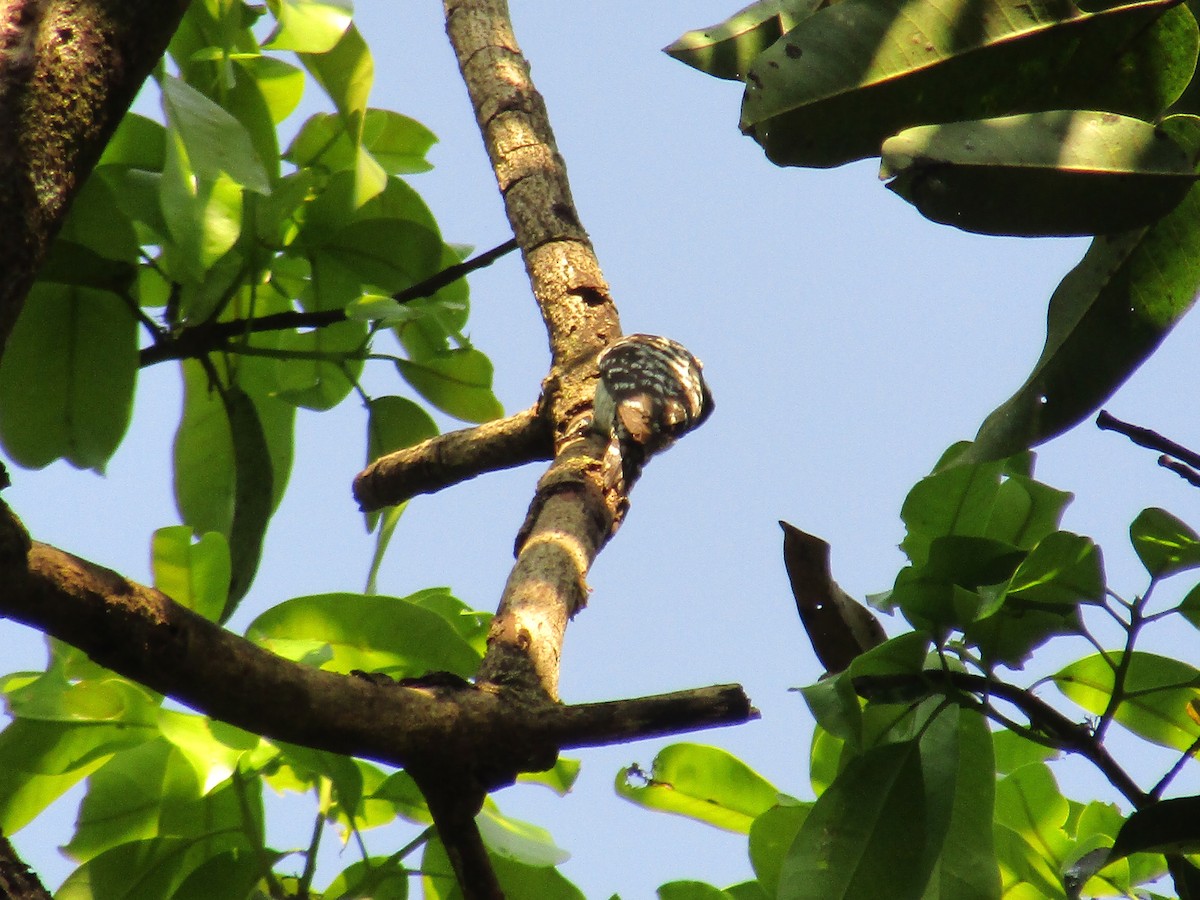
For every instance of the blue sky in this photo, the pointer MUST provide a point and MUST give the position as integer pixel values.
(847, 341)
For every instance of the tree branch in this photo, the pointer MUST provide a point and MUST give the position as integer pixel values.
(571, 516)
(1152, 441)
(68, 72)
(17, 882)
(452, 458)
(485, 735)
(196, 340)
(1065, 734)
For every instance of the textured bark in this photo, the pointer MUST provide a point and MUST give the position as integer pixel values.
(446, 730)
(16, 881)
(69, 70)
(571, 515)
(453, 458)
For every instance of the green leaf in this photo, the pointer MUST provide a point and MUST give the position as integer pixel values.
(560, 779)
(393, 635)
(40, 761)
(1155, 700)
(377, 877)
(53, 696)
(211, 140)
(960, 782)
(399, 144)
(825, 758)
(513, 839)
(957, 500)
(396, 422)
(214, 749)
(203, 217)
(1168, 826)
(1066, 172)
(726, 50)
(1164, 544)
(1190, 607)
(1013, 751)
(253, 500)
(771, 834)
(281, 85)
(206, 466)
(193, 573)
(836, 707)
(132, 796)
(1105, 318)
(702, 783)
(1064, 569)
(1031, 842)
(151, 869)
(864, 835)
(458, 382)
(327, 363)
(138, 142)
(856, 72)
(345, 71)
(691, 890)
(308, 26)
(67, 377)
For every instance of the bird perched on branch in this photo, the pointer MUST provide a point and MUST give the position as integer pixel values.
(651, 391)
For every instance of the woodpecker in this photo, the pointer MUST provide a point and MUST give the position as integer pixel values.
(651, 391)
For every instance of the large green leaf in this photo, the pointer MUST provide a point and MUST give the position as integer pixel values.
(458, 382)
(211, 139)
(394, 635)
(1154, 702)
(129, 796)
(856, 72)
(1105, 318)
(41, 760)
(703, 783)
(1066, 172)
(865, 836)
(960, 784)
(67, 377)
(205, 472)
(727, 50)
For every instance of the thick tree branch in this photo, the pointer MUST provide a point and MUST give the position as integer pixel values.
(481, 736)
(453, 458)
(571, 516)
(68, 71)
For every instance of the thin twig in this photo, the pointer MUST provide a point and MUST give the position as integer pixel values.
(1144, 437)
(209, 336)
(1066, 735)
(1184, 471)
(1156, 792)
